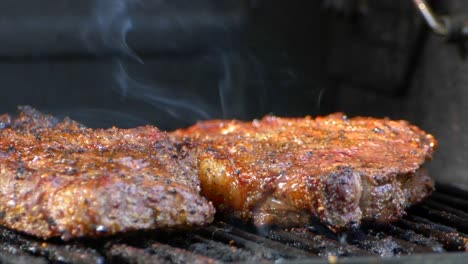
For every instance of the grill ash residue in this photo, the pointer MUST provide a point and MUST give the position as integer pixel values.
(410, 236)
(379, 243)
(225, 253)
(385, 247)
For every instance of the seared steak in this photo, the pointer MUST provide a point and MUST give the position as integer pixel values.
(286, 170)
(30, 120)
(58, 178)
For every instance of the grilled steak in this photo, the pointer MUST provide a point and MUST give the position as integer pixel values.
(286, 170)
(30, 120)
(58, 178)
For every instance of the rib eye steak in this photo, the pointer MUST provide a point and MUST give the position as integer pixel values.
(58, 178)
(340, 170)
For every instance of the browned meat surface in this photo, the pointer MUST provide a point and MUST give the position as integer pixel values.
(30, 120)
(58, 178)
(286, 170)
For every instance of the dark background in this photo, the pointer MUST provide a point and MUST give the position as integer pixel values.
(171, 63)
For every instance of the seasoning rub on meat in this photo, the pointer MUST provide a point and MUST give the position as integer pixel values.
(62, 179)
(285, 171)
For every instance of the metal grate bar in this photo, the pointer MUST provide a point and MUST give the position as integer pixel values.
(177, 255)
(410, 236)
(304, 239)
(443, 217)
(238, 242)
(271, 250)
(123, 253)
(434, 225)
(454, 202)
(443, 207)
(10, 254)
(72, 252)
(224, 252)
(450, 240)
(451, 191)
(383, 245)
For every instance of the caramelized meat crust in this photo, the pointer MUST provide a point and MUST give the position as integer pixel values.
(58, 178)
(284, 171)
(30, 120)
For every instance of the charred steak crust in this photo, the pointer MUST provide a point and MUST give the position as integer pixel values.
(58, 178)
(286, 170)
(30, 120)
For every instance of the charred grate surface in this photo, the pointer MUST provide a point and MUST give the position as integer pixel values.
(438, 227)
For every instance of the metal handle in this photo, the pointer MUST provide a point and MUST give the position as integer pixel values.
(454, 29)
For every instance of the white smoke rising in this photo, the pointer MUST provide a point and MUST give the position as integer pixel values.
(108, 28)
(181, 106)
(232, 86)
(225, 88)
(109, 25)
(111, 22)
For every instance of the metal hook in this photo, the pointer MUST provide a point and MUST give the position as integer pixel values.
(453, 29)
(432, 20)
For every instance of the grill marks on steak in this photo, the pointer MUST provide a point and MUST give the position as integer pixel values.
(58, 178)
(286, 170)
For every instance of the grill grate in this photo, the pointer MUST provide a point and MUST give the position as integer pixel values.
(435, 230)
